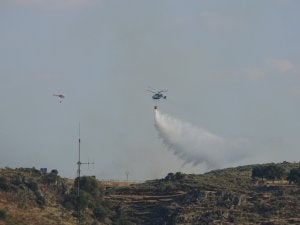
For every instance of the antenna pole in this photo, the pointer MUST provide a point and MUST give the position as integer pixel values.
(79, 163)
(127, 174)
(78, 179)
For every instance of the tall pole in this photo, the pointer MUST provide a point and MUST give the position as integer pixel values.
(79, 163)
(127, 174)
(78, 180)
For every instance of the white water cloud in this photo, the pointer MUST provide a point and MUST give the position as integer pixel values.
(196, 145)
(271, 67)
(281, 65)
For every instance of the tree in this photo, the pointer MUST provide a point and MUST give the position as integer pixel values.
(89, 185)
(54, 172)
(270, 171)
(294, 176)
(32, 184)
(273, 172)
(4, 184)
(100, 212)
(170, 176)
(257, 172)
(50, 179)
(90, 197)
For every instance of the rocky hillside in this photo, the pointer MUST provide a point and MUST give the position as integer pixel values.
(228, 196)
(28, 196)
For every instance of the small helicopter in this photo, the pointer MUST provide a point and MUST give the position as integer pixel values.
(61, 96)
(157, 94)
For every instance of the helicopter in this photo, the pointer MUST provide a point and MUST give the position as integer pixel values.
(61, 96)
(157, 94)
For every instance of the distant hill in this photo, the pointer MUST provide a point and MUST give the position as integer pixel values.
(227, 196)
(28, 196)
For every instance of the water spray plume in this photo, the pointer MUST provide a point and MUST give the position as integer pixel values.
(193, 144)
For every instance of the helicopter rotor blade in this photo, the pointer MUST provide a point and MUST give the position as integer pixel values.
(162, 91)
(151, 91)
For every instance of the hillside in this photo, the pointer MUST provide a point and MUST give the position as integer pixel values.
(30, 197)
(228, 196)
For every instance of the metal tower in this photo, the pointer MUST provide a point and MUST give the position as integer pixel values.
(79, 163)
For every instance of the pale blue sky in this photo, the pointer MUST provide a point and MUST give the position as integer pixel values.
(231, 67)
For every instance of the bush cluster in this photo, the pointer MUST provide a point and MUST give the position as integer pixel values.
(90, 197)
(4, 184)
(275, 171)
(294, 176)
(21, 182)
(2, 214)
(271, 172)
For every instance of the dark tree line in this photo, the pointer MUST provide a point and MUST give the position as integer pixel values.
(275, 172)
(270, 172)
(90, 200)
(294, 176)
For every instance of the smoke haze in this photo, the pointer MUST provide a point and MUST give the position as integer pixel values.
(195, 145)
(225, 67)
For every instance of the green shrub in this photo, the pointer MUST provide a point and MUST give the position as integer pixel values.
(89, 197)
(89, 185)
(32, 185)
(2, 214)
(294, 176)
(4, 184)
(270, 171)
(54, 172)
(40, 200)
(100, 212)
(50, 178)
(17, 180)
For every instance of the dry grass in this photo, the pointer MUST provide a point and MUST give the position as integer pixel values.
(31, 214)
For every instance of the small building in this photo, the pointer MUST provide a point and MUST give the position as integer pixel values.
(43, 170)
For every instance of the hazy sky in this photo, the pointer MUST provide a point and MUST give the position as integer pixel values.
(230, 67)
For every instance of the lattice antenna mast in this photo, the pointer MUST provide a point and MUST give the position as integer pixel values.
(79, 163)
(78, 181)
